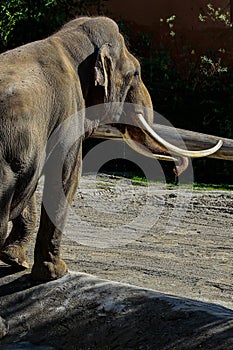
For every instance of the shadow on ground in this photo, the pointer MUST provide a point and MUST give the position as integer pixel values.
(80, 311)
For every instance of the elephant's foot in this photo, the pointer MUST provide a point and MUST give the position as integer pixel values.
(15, 256)
(47, 271)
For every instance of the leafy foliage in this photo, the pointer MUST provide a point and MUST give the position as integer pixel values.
(25, 20)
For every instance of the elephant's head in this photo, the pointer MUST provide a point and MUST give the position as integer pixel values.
(114, 80)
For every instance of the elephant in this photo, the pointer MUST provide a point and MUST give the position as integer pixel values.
(43, 83)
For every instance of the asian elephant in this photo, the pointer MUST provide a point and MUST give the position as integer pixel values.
(42, 84)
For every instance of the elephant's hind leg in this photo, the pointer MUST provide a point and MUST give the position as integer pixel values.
(7, 184)
(14, 250)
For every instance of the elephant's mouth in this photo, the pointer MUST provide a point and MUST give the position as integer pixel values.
(144, 140)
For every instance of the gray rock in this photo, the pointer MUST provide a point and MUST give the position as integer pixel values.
(25, 345)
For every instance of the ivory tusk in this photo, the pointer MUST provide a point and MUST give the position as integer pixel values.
(174, 149)
(142, 150)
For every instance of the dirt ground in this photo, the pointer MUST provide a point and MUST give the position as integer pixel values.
(174, 240)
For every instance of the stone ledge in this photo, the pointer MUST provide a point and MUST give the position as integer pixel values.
(80, 311)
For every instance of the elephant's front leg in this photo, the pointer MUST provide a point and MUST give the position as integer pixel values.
(48, 264)
(14, 249)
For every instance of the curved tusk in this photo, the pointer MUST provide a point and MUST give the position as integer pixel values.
(139, 149)
(173, 149)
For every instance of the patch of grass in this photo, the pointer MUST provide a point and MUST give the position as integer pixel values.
(211, 187)
(139, 179)
(143, 181)
(196, 186)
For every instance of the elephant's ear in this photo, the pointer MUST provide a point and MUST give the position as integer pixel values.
(102, 68)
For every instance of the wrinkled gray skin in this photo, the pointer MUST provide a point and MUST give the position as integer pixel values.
(41, 85)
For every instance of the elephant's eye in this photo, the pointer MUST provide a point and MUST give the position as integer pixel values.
(136, 76)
